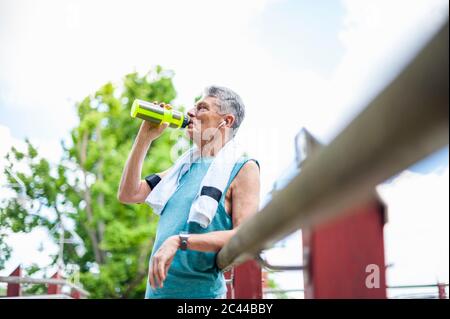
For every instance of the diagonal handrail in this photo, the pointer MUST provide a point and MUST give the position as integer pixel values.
(406, 122)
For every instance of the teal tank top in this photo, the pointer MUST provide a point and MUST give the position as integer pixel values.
(192, 274)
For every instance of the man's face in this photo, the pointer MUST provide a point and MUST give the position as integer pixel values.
(205, 118)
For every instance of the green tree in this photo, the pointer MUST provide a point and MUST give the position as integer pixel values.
(273, 285)
(81, 190)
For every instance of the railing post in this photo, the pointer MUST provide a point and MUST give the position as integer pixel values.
(55, 289)
(441, 289)
(247, 282)
(341, 255)
(346, 257)
(14, 290)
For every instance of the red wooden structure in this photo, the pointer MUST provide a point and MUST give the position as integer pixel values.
(345, 258)
(14, 289)
(54, 286)
(54, 289)
(246, 281)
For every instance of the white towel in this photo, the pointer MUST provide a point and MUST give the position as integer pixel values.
(205, 203)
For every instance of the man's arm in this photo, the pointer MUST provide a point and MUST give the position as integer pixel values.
(132, 188)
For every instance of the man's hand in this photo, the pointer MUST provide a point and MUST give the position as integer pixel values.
(151, 130)
(161, 261)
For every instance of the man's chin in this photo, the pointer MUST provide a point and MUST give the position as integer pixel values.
(193, 136)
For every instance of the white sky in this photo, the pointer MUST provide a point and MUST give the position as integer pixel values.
(56, 52)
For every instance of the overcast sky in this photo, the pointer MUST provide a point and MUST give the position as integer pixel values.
(319, 62)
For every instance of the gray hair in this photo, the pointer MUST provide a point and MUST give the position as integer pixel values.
(228, 102)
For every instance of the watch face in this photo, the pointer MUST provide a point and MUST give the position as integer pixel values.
(184, 238)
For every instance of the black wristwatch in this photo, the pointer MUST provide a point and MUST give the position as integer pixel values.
(183, 240)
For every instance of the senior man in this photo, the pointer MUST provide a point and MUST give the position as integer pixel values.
(202, 199)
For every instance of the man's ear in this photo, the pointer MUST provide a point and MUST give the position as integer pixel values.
(229, 118)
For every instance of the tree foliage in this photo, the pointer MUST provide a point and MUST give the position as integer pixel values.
(112, 241)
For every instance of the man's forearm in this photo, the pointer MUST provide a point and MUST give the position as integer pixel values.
(131, 175)
(209, 242)
(213, 241)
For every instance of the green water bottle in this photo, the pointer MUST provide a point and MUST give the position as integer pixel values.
(156, 114)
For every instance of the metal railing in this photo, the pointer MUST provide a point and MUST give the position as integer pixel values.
(406, 122)
(46, 281)
(417, 286)
(57, 296)
(264, 263)
(277, 291)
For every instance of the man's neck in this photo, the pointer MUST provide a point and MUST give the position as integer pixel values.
(211, 149)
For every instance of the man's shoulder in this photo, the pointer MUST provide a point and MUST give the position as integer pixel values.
(248, 171)
(245, 159)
